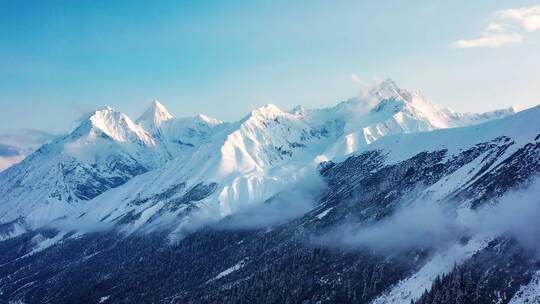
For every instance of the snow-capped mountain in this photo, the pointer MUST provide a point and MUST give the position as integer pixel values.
(104, 151)
(390, 110)
(241, 164)
(199, 163)
(442, 216)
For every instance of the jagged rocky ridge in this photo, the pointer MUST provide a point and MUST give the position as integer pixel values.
(467, 166)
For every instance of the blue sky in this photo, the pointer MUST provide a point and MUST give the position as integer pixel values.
(62, 59)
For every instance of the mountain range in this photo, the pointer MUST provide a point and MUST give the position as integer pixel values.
(383, 198)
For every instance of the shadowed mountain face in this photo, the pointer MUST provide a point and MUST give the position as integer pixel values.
(387, 199)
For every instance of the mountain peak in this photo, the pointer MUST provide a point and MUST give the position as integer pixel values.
(154, 116)
(103, 110)
(101, 115)
(388, 89)
(263, 113)
(389, 84)
(299, 110)
(268, 109)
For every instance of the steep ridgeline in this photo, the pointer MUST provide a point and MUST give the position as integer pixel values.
(249, 161)
(348, 248)
(104, 151)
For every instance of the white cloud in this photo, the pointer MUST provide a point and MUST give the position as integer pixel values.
(437, 225)
(526, 17)
(506, 27)
(495, 27)
(492, 40)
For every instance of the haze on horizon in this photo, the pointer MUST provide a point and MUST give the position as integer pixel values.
(61, 60)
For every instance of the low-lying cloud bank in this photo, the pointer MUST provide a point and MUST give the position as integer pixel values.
(300, 196)
(437, 225)
(294, 201)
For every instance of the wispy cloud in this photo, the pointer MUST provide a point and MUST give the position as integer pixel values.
(297, 199)
(359, 80)
(438, 225)
(527, 17)
(508, 26)
(491, 40)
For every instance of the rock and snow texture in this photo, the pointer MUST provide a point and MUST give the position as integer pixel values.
(528, 294)
(231, 269)
(412, 287)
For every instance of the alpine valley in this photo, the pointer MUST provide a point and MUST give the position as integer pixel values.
(383, 198)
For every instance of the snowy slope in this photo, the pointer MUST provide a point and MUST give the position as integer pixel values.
(521, 128)
(412, 287)
(529, 293)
